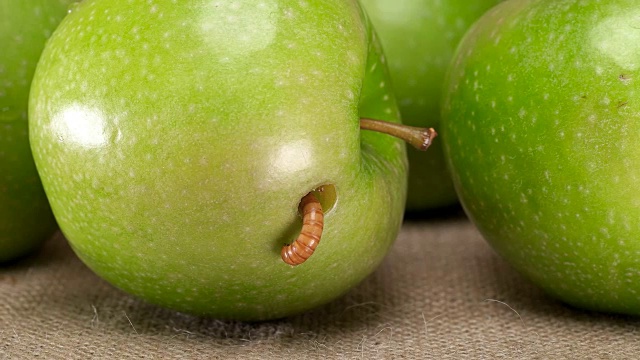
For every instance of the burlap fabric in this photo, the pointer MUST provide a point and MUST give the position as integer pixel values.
(440, 294)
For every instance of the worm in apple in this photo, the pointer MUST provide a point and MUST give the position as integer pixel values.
(312, 224)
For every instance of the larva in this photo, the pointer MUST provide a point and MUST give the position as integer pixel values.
(312, 224)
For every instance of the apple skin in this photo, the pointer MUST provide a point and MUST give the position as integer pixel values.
(25, 216)
(540, 129)
(180, 140)
(419, 38)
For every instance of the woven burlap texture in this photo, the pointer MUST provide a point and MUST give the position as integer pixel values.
(441, 293)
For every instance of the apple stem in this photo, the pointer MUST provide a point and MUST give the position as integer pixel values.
(420, 138)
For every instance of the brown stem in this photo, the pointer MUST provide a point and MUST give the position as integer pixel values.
(420, 138)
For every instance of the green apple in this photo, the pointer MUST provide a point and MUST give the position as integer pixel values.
(540, 128)
(175, 141)
(419, 38)
(25, 217)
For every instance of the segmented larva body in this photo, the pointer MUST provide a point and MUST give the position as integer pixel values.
(312, 224)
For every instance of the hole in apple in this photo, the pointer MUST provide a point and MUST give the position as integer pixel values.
(327, 196)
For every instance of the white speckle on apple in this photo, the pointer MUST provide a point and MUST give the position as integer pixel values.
(289, 13)
(350, 94)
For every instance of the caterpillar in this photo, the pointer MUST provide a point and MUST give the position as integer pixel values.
(312, 224)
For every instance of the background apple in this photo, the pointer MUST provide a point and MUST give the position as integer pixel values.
(419, 38)
(25, 216)
(180, 139)
(540, 125)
